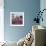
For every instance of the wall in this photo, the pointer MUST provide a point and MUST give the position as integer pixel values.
(29, 7)
(43, 6)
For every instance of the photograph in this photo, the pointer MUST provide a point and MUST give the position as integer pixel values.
(17, 18)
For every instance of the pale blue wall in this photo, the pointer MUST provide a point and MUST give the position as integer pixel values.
(29, 7)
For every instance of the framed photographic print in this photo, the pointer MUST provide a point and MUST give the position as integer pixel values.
(16, 18)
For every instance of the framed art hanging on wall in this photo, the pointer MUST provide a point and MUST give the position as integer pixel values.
(17, 18)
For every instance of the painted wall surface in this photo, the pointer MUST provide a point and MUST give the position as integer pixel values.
(29, 7)
(43, 6)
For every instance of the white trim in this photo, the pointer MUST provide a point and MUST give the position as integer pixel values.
(1, 25)
(1, 21)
